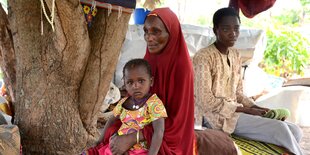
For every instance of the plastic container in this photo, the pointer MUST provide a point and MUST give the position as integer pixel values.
(139, 15)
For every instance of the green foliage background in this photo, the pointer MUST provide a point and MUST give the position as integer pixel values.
(288, 50)
(286, 53)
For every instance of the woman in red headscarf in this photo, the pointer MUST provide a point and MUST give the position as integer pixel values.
(173, 83)
(173, 80)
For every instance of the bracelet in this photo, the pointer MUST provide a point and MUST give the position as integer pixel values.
(138, 137)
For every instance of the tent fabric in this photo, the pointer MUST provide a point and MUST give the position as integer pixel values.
(250, 8)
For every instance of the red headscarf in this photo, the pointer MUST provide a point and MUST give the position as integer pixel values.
(173, 83)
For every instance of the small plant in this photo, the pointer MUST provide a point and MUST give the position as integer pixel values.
(286, 53)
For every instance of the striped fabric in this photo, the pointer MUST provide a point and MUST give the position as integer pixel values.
(250, 147)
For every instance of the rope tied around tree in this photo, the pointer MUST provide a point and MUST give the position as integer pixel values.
(120, 10)
(109, 9)
(50, 21)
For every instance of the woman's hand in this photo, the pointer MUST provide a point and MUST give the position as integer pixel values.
(120, 144)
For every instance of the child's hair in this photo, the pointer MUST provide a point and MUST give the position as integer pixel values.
(223, 12)
(135, 63)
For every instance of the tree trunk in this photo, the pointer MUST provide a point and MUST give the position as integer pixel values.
(61, 77)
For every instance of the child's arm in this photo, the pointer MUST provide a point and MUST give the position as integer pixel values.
(159, 128)
(106, 126)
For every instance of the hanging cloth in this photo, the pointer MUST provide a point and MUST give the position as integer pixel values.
(250, 8)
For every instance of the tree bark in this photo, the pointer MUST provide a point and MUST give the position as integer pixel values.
(7, 54)
(62, 76)
(101, 65)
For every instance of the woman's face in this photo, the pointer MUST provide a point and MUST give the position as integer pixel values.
(155, 34)
(227, 31)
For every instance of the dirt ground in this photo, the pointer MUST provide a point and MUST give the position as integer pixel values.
(305, 142)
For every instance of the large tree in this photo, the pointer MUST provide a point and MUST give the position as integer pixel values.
(58, 79)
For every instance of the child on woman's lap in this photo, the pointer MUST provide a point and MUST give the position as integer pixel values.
(138, 109)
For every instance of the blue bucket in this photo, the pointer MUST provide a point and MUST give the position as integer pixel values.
(139, 15)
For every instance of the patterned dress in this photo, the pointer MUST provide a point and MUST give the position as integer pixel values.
(134, 120)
